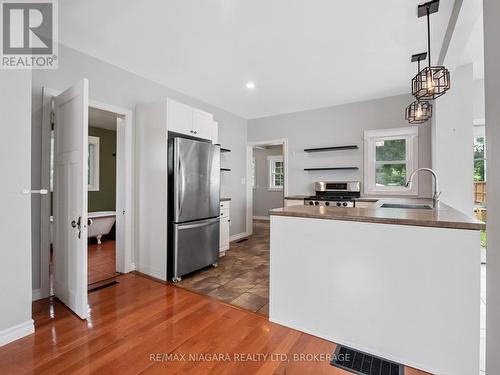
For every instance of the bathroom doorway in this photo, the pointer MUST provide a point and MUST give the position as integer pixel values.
(102, 179)
(116, 244)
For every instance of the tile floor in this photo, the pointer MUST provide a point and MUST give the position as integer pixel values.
(242, 277)
(101, 261)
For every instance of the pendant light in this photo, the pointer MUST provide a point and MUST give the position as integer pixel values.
(432, 81)
(419, 111)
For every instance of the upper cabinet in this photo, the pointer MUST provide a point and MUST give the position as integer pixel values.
(194, 122)
(179, 117)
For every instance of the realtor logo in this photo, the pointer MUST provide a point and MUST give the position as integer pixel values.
(29, 34)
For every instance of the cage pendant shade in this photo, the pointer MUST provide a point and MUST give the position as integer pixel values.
(418, 112)
(432, 81)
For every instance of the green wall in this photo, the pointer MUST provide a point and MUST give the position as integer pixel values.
(105, 198)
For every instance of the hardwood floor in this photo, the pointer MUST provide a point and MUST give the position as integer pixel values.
(101, 261)
(135, 324)
(242, 277)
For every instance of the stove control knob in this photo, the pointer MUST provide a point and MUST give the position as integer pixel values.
(311, 203)
(344, 204)
(316, 203)
(339, 204)
(327, 203)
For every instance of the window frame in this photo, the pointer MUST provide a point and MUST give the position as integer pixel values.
(94, 185)
(254, 176)
(410, 134)
(271, 166)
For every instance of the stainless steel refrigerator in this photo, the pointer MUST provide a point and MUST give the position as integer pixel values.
(194, 206)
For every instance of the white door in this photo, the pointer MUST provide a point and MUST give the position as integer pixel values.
(179, 117)
(70, 197)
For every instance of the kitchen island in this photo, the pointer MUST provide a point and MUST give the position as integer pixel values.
(399, 283)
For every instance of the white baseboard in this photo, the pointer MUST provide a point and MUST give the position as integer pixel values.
(238, 236)
(267, 218)
(16, 332)
(36, 294)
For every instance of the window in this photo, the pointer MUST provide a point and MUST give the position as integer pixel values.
(93, 164)
(479, 173)
(276, 173)
(479, 154)
(390, 157)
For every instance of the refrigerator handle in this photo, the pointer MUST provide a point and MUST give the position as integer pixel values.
(198, 224)
(182, 187)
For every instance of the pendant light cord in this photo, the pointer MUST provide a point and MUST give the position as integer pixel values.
(429, 35)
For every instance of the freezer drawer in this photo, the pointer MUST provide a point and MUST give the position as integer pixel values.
(196, 245)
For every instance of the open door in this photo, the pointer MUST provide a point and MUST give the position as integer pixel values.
(70, 197)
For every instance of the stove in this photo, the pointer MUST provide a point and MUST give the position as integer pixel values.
(335, 194)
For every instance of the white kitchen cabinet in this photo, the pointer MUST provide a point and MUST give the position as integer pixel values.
(225, 223)
(184, 119)
(153, 122)
(179, 117)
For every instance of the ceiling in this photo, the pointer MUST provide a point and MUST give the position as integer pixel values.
(102, 119)
(301, 54)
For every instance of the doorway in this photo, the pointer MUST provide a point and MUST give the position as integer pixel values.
(267, 176)
(102, 198)
(120, 235)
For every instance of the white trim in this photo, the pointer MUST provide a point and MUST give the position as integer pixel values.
(16, 332)
(45, 201)
(250, 146)
(267, 218)
(479, 121)
(125, 256)
(239, 236)
(36, 294)
(410, 134)
(94, 185)
(479, 130)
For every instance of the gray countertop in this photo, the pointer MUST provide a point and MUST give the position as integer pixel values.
(442, 217)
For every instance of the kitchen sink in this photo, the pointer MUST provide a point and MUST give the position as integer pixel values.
(402, 205)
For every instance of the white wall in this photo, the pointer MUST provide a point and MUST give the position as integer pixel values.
(492, 89)
(478, 99)
(263, 198)
(15, 229)
(113, 85)
(337, 125)
(452, 140)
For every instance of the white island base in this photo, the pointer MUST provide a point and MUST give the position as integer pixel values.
(409, 294)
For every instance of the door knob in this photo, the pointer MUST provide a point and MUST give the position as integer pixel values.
(78, 224)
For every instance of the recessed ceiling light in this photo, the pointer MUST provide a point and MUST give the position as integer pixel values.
(250, 85)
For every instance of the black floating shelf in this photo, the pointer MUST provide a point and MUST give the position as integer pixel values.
(224, 150)
(225, 169)
(332, 169)
(332, 148)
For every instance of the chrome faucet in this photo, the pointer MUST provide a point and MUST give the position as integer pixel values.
(437, 193)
